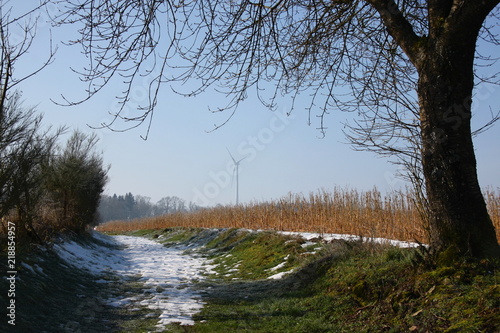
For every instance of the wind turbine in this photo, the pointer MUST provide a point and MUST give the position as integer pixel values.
(236, 166)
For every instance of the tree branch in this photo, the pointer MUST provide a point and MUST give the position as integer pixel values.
(400, 29)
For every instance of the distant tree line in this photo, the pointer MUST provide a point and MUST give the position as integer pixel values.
(45, 187)
(128, 207)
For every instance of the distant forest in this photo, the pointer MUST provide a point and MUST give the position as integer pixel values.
(128, 207)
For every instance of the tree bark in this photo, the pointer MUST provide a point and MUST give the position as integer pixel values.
(459, 222)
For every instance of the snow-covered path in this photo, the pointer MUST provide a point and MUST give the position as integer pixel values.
(167, 273)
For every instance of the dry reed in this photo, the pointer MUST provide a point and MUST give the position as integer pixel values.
(343, 211)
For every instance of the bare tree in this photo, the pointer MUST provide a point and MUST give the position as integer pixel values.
(170, 205)
(17, 34)
(24, 148)
(406, 67)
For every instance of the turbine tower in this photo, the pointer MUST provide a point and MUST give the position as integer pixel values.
(236, 166)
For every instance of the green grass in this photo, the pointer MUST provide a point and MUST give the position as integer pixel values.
(241, 254)
(343, 287)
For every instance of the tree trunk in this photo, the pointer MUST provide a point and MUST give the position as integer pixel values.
(459, 223)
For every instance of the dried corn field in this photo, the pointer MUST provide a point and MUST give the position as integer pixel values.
(342, 211)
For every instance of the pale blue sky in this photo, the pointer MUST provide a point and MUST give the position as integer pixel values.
(180, 158)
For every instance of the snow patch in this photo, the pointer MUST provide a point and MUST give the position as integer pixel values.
(329, 237)
(275, 268)
(28, 267)
(167, 273)
(307, 244)
(278, 276)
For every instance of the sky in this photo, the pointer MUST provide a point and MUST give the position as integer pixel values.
(182, 157)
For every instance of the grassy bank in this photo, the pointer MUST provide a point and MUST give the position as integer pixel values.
(335, 287)
(342, 211)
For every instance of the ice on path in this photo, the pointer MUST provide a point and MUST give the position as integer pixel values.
(166, 273)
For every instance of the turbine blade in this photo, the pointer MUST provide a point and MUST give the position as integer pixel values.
(231, 155)
(232, 178)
